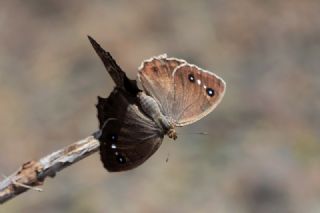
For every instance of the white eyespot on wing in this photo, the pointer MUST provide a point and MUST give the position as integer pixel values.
(113, 146)
(199, 81)
(204, 86)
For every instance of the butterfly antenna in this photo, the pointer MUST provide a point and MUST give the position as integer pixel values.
(117, 74)
(196, 133)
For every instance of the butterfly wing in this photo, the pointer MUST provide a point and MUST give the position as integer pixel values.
(117, 74)
(196, 93)
(128, 137)
(155, 75)
(185, 92)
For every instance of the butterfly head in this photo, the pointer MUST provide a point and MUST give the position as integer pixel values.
(172, 133)
(167, 125)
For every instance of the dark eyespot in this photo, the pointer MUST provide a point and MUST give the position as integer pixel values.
(121, 159)
(191, 77)
(210, 92)
(113, 137)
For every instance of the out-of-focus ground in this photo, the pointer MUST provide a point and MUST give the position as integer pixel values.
(262, 153)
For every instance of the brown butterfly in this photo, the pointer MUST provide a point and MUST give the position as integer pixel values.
(133, 122)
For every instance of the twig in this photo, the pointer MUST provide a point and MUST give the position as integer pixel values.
(34, 173)
(23, 185)
(28, 187)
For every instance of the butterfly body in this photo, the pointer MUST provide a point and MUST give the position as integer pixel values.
(152, 109)
(134, 121)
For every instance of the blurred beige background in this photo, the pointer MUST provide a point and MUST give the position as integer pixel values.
(262, 153)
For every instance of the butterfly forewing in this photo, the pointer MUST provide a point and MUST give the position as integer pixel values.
(196, 93)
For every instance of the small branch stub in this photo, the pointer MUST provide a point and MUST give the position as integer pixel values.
(34, 173)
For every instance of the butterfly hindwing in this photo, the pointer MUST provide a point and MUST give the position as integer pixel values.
(128, 137)
(156, 79)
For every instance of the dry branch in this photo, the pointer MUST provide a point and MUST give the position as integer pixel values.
(34, 173)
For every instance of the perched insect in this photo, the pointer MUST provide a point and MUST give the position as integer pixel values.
(133, 122)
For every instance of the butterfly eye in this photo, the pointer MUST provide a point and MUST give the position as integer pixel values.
(210, 92)
(121, 159)
(191, 77)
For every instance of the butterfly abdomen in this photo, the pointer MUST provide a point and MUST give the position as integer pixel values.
(149, 105)
(151, 109)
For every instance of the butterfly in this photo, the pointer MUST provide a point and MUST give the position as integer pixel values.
(134, 121)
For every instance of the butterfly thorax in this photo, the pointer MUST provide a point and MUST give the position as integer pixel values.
(151, 108)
